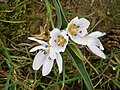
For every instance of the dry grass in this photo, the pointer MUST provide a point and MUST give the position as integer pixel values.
(20, 19)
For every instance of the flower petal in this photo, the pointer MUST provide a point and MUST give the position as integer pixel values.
(55, 32)
(96, 34)
(100, 45)
(59, 62)
(52, 53)
(73, 21)
(79, 40)
(37, 47)
(64, 34)
(83, 23)
(82, 32)
(47, 66)
(38, 60)
(97, 51)
(37, 40)
(95, 41)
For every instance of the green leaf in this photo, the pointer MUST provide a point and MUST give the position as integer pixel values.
(59, 18)
(80, 67)
(76, 50)
(9, 61)
(62, 11)
(117, 83)
(49, 12)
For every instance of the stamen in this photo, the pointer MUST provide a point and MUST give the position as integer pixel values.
(58, 36)
(75, 34)
(80, 31)
(60, 40)
(49, 58)
(78, 26)
(46, 46)
(44, 52)
(73, 29)
(74, 24)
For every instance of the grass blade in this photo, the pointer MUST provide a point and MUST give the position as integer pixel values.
(12, 21)
(49, 12)
(76, 50)
(9, 61)
(59, 18)
(62, 11)
(80, 67)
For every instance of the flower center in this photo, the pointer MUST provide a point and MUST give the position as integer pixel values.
(73, 29)
(60, 40)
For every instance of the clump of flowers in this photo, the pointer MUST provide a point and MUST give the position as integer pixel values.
(50, 51)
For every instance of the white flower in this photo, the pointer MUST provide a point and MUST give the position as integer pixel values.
(77, 30)
(58, 40)
(45, 57)
(77, 27)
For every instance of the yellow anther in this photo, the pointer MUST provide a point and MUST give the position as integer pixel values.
(73, 29)
(60, 41)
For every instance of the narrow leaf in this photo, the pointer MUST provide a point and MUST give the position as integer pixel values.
(62, 10)
(59, 18)
(76, 50)
(80, 67)
(49, 12)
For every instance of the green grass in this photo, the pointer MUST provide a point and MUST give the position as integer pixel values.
(20, 19)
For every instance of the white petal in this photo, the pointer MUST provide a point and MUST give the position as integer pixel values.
(79, 40)
(96, 34)
(100, 45)
(97, 51)
(83, 23)
(55, 32)
(47, 67)
(59, 62)
(95, 41)
(38, 60)
(73, 20)
(52, 53)
(82, 32)
(37, 47)
(52, 41)
(65, 35)
(37, 40)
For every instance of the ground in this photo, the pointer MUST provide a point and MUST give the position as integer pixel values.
(20, 19)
